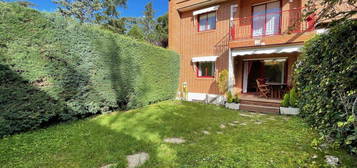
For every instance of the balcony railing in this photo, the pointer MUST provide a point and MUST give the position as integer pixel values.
(277, 23)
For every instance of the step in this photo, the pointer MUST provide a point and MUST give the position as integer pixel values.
(260, 103)
(260, 109)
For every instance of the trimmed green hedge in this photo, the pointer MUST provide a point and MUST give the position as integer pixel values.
(326, 72)
(53, 69)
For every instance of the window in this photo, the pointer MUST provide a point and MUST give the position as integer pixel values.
(234, 11)
(274, 70)
(207, 21)
(205, 69)
(266, 19)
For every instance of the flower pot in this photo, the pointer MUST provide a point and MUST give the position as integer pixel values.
(289, 111)
(233, 106)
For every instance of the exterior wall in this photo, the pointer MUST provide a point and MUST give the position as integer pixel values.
(188, 42)
(185, 39)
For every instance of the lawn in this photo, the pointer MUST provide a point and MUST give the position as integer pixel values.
(248, 140)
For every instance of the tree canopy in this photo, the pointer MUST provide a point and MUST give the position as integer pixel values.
(332, 10)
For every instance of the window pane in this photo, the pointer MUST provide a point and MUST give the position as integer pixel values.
(258, 20)
(202, 22)
(211, 21)
(206, 69)
(273, 18)
(273, 71)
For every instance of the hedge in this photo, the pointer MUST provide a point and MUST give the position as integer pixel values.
(326, 77)
(53, 69)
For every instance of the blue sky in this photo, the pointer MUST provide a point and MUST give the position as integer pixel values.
(135, 7)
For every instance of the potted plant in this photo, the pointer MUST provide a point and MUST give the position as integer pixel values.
(289, 104)
(232, 101)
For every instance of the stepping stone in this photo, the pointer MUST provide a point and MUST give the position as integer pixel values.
(258, 122)
(235, 122)
(262, 114)
(245, 115)
(273, 119)
(137, 160)
(231, 124)
(109, 166)
(243, 124)
(174, 140)
(206, 132)
(222, 126)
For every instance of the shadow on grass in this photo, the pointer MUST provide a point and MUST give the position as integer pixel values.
(78, 144)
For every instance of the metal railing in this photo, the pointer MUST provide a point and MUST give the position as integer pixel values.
(277, 23)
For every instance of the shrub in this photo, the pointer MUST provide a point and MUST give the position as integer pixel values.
(223, 81)
(236, 98)
(326, 79)
(286, 100)
(230, 97)
(292, 98)
(54, 69)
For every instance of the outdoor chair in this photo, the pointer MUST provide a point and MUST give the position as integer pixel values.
(263, 89)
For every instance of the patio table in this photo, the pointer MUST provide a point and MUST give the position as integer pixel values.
(277, 89)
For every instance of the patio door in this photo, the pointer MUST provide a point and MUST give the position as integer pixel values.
(266, 19)
(271, 69)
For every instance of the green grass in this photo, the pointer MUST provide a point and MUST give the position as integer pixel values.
(280, 141)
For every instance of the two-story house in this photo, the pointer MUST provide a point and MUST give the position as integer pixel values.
(255, 40)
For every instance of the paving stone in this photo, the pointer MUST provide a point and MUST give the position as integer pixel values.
(222, 126)
(232, 124)
(109, 166)
(174, 140)
(206, 132)
(137, 160)
(245, 115)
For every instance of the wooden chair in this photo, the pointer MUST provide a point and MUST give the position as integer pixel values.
(263, 89)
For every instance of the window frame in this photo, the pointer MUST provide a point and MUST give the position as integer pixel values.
(206, 75)
(265, 4)
(206, 22)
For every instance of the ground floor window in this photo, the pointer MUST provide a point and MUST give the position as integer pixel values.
(205, 69)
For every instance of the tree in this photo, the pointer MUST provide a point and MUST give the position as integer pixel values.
(136, 32)
(335, 10)
(95, 11)
(25, 3)
(162, 29)
(148, 23)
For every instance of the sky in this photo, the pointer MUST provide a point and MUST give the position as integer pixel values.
(135, 7)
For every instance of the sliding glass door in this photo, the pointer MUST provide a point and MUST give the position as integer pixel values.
(266, 19)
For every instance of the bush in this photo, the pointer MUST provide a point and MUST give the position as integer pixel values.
(223, 81)
(286, 100)
(290, 99)
(54, 69)
(236, 98)
(230, 97)
(326, 79)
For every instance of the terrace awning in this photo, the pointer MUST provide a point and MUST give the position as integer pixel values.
(205, 59)
(268, 50)
(206, 10)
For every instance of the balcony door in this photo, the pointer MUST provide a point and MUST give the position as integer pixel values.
(266, 19)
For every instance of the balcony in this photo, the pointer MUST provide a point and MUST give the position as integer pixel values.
(271, 24)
